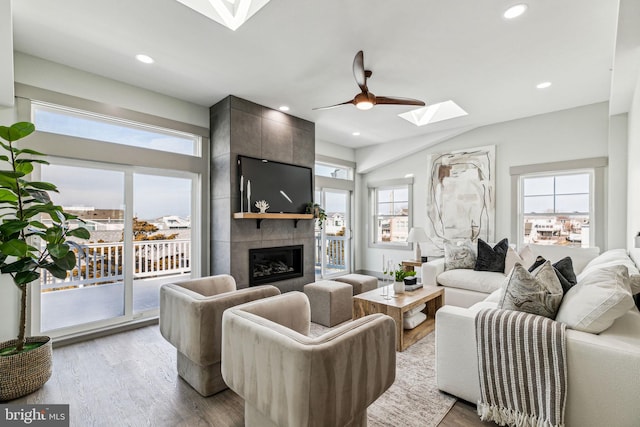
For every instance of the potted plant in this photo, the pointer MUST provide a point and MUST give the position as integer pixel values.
(27, 245)
(400, 275)
(318, 213)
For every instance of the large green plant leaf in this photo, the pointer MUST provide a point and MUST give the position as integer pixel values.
(39, 195)
(7, 195)
(24, 167)
(80, 232)
(41, 186)
(23, 264)
(58, 250)
(11, 227)
(12, 174)
(67, 262)
(14, 247)
(57, 271)
(25, 277)
(32, 152)
(16, 131)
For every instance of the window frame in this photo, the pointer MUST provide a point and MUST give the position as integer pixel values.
(374, 187)
(77, 151)
(594, 166)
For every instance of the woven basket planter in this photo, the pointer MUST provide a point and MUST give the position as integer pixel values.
(24, 373)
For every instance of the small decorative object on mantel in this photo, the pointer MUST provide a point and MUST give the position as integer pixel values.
(248, 195)
(262, 205)
(241, 193)
(318, 213)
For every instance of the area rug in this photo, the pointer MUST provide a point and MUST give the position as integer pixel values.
(413, 399)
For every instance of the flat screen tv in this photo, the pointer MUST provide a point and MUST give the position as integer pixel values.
(286, 188)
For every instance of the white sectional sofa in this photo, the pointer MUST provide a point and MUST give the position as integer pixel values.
(603, 369)
(463, 287)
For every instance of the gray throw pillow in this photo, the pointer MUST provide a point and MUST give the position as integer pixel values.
(538, 293)
(459, 255)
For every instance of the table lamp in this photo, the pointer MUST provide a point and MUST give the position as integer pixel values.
(417, 235)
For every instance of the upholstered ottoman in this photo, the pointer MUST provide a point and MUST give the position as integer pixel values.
(360, 282)
(330, 302)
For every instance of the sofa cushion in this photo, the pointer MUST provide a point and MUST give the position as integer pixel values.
(459, 254)
(580, 257)
(615, 257)
(597, 300)
(479, 281)
(538, 293)
(563, 269)
(491, 259)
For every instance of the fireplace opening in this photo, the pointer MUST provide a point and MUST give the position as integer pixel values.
(268, 265)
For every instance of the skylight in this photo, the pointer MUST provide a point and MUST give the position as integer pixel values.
(434, 113)
(230, 13)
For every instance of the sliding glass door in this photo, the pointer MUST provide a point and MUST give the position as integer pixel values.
(333, 240)
(140, 226)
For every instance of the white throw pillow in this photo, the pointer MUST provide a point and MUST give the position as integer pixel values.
(597, 301)
(413, 321)
(511, 260)
(414, 310)
(528, 256)
(610, 255)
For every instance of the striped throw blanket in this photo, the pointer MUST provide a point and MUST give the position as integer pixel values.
(522, 367)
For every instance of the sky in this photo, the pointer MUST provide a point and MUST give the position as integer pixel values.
(154, 196)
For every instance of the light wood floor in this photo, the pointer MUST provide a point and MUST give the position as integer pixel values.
(129, 379)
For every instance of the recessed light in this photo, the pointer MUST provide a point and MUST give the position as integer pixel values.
(144, 58)
(283, 108)
(356, 134)
(515, 11)
(543, 85)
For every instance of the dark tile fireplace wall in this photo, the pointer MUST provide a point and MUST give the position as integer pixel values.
(242, 127)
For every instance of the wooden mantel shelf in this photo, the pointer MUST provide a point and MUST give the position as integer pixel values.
(260, 216)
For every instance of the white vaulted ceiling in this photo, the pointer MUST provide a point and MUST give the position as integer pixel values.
(300, 53)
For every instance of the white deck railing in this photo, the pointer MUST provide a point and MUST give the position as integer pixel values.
(334, 252)
(100, 263)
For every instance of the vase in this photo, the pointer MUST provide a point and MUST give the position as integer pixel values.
(398, 287)
(24, 373)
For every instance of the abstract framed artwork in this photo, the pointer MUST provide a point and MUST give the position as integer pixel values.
(461, 195)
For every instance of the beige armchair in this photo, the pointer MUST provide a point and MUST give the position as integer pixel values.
(191, 320)
(289, 379)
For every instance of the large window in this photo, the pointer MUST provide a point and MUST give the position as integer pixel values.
(83, 124)
(136, 181)
(556, 209)
(391, 213)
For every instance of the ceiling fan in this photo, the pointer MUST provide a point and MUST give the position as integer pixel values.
(365, 100)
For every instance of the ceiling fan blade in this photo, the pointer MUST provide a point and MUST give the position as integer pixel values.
(358, 71)
(334, 106)
(388, 100)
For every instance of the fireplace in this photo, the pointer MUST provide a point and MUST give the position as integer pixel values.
(268, 265)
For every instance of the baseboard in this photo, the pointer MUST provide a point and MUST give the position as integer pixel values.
(103, 332)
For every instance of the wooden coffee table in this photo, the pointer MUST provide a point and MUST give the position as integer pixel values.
(373, 302)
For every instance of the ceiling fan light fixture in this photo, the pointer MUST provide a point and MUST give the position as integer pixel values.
(364, 105)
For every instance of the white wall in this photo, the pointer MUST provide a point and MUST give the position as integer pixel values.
(9, 295)
(564, 135)
(330, 149)
(633, 169)
(71, 81)
(616, 231)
